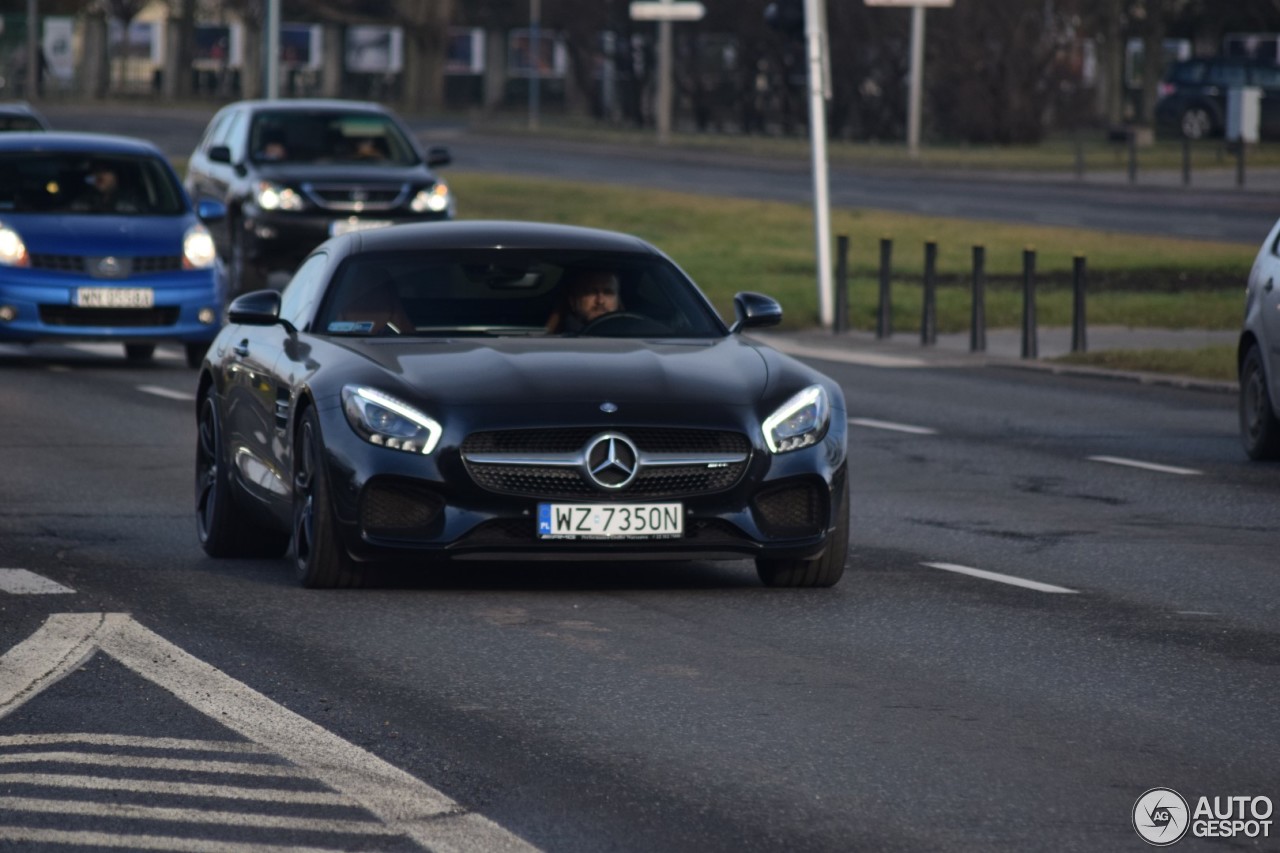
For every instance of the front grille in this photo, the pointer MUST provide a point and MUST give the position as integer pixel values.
(82, 264)
(394, 509)
(70, 315)
(558, 481)
(797, 509)
(518, 532)
(357, 198)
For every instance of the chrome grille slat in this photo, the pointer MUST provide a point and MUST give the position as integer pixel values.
(341, 196)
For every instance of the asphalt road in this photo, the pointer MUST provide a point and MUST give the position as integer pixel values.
(639, 708)
(1197, 213)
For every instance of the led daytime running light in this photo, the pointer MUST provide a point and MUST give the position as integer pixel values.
(358, 415)
(799, 422)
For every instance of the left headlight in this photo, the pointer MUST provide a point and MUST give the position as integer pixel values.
(799, 422)
(198, 251)
(387, 422)
(13, 252)
(436, 199)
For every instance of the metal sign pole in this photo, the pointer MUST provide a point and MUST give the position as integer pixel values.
(272, 39)
(535, 21)
(814, 39)
(917, 78)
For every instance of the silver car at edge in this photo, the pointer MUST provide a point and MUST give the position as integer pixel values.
(1258, 356)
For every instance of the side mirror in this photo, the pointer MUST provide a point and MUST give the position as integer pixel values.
(211, 210)
(755, 311)
(439, 157)
(220, 154)
(258, 308)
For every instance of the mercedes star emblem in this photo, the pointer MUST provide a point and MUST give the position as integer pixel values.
(612, 461)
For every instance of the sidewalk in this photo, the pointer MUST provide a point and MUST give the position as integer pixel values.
(1004, 349)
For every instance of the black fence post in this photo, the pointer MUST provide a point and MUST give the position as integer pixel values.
(978, 312)
(1240, 147)
(1030, 348)
(929, 310)
(1079, 150)
(1186, 162)
(1078, 279)
(841, 323)
(884, 315)
(1133, 156)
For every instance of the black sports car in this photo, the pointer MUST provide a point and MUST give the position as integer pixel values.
(498, 390)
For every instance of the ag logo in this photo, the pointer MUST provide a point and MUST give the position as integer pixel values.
(1161, 817)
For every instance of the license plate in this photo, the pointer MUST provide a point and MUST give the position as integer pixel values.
(346, 226)
(610, 521)
(115, 297)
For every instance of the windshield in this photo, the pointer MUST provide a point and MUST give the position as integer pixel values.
(291, 136)
(61, 182)
(514, 292)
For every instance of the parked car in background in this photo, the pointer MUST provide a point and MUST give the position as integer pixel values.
(1259, 354)
(1193, 95)
(19, 115)
(294, 173)
(420, 392)
(98, 241)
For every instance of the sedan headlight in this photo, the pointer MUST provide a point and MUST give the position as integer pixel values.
(436, 199)
(198, 252)
(385, 421)
(273, 196)
(799, 422)
(13, 252)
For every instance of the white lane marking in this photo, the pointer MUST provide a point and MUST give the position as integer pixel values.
(996, 576)
(130, 740)
(404, 803)
(23, 582)
(190, 816)
(167, 392)
(181, 789)
(99, 759)
(140, 842)
(1146, 466)
(889, 425)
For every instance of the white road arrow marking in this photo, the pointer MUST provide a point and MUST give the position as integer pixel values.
(23, 582)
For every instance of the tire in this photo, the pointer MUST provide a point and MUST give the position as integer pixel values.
(225, 530)
(244, 274)
(823, 571)
(320, 559)
(1196, 123)
(195, 354)
(1259, 426)
(139, 352)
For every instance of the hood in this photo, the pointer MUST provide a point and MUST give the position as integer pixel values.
(91, 235)
(514, 371)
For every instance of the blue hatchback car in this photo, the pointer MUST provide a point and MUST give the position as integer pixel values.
(99, 241)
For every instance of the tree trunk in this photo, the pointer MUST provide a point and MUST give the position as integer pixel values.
(423, 87)
(1152, 60)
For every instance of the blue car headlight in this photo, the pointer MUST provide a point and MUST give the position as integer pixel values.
(198, 251)
(13, 252)
(799, 422)
(387, 422)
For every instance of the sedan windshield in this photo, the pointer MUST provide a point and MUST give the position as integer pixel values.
(294, 136)
(514, 292)
(62, 182)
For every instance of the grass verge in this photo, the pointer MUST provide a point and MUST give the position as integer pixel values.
(1212, 362)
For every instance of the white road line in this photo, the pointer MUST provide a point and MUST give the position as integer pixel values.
(404, 803)
(889, 425)
(23, 582)
(1146, 466)
(103, 760)
(140, 842)
(181, 789)
(192, 816)
(996, 576)
(167, 392)
(130, 740)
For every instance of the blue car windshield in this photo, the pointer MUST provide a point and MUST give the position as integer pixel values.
(79, 182)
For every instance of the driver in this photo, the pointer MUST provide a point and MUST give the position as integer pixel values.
(588, 295)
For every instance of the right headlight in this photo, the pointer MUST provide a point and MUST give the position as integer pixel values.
(13, 252)
(273, 196)
(387, 422)
(436, 199)
(799, 422)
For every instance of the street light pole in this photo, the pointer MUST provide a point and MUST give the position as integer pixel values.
(917, 78)
(815, 40)
(535, 21)
(272, 38)
(31, 90)
(664, 78)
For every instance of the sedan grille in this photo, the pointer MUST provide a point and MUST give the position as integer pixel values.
(81, 264)
(355, 198)
(551, 463)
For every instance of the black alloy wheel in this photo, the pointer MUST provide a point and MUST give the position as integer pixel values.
(1259, 425)
(225, 530)
(1196, 123)
(139, 352)
(320, 559)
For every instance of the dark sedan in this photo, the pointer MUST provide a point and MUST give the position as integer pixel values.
(492, 390)
(294, 173)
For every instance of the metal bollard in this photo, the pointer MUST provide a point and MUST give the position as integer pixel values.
(884, 315)
(1133, 156)
(1186, 162)
(929, 310)
(1240, 146)
(978, 312)
(1078, 274)
(841, 323)
(1030, 348)
(1079, 148)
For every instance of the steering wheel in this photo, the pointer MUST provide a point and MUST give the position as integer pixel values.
(624, 323)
